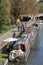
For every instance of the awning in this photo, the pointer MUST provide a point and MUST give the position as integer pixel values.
(10, 40)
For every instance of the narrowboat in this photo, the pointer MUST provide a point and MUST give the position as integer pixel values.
(21, 49)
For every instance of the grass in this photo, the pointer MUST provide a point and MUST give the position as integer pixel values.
(2, 61)
(3, 57)
(3, 54)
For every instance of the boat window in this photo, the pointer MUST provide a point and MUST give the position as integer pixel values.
(24, 37)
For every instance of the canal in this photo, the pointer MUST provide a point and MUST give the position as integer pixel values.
(36, 55)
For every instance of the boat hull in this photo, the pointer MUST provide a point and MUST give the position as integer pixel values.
(33, 40)
(27, 55)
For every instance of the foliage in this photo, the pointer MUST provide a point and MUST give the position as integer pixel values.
(41, 7)
(12, 19)
(24, 7)
(3, 54)
(4, 13)
(15, 7)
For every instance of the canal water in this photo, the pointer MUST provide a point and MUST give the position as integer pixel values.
(36, 55)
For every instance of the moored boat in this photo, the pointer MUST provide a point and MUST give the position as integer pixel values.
(23, 48)
(20, 47)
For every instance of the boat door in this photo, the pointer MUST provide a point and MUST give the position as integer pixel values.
(22, 47)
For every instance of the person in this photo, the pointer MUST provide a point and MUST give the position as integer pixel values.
(25, 25)
(22, 28)
(14, 35)
(18, 28)
(18, 21)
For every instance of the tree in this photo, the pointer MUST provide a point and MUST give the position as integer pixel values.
(4, 12)
(24, 7)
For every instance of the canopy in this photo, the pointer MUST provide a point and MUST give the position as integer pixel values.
(10, 40)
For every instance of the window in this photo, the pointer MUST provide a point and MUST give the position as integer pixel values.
(24, 37)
